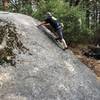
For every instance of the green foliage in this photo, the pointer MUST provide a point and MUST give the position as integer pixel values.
(74, 19)
(26, 9)
(1, 7)
(57, 7)
(21, 7)
(75, 26)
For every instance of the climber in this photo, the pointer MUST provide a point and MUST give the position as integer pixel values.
(57, 26)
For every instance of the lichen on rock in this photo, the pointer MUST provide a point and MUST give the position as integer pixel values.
(9, 40)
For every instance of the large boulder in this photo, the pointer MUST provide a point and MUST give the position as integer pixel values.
(42, 71)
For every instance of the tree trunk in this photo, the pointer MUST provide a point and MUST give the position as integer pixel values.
(5, 4)
(77, 2)
(87, 18)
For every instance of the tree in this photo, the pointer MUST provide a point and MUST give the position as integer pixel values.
(5, 4)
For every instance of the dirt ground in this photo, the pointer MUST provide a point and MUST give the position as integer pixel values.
(92, 63)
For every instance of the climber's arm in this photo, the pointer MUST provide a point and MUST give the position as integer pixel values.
(43, 23)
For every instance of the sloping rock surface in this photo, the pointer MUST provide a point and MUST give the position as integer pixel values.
(43, 71)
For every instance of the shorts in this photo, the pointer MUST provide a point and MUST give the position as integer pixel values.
(60, 34)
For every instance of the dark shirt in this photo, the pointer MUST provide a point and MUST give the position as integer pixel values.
(53, 22)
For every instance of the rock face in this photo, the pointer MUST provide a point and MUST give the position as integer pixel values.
(43, 71)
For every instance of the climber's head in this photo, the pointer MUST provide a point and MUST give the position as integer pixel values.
(49, 14)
